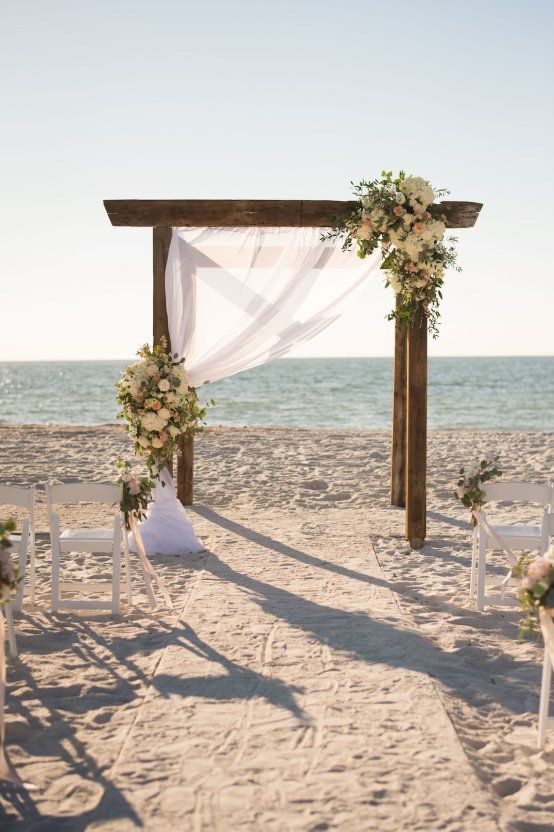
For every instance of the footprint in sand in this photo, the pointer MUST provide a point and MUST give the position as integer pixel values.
(315, 485)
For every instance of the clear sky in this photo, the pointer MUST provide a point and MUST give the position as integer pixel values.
(291, 99)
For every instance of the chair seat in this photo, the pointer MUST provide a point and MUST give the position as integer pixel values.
(517, 537)
(86, 540)
(511, 532)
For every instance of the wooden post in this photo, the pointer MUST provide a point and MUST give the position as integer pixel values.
(185, 471)
(416, 432)
(398, 450)
(160, 326)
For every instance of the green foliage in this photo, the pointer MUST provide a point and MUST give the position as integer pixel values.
(8, 570)
(158, 405)
(136, 491)
(6, 528)
(394, 213)
(469, 484)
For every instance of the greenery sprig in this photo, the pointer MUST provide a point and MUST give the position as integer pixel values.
(469, 488)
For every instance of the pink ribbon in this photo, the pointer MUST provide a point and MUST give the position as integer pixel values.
(547, 628)
(498, 540)
(149, 574)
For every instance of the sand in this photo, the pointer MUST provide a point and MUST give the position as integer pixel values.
(315, 673)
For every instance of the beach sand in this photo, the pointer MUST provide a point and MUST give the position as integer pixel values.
(315, 673)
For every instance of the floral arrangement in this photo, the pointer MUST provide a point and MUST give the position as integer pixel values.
(136, 492)
(158, 405)
(536, 588)
(469, 485)
(8, 572)
(398, 215)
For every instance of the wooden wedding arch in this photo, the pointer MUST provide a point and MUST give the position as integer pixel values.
(409, 421)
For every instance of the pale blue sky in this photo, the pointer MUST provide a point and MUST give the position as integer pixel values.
(290, 99)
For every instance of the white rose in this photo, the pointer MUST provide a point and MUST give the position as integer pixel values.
(157, 443)
(173, 431)
(164, 385)
(143, 442)
(164, 413)
(150, 421)
(160, 424)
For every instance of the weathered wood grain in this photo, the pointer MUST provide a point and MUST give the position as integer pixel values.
(256, 212)
(398, 449)
(416, 432)
(160, 326)
(185, 471)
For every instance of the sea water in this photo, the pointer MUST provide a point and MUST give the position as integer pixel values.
(492, 393)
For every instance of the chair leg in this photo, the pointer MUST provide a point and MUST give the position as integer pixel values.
(32, 574)
(55, 586)
(10, 629)
(545, 698)
(127, 569)
(116, 570)
(481, 570)
(473, 565)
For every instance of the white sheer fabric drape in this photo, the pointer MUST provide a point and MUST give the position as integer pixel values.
(167, 529)
(239, 297)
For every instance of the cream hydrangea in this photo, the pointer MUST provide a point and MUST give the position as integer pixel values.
(417, 191)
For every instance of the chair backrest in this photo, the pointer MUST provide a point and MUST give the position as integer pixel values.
(526, 492)
(18, 495)
(82, 492)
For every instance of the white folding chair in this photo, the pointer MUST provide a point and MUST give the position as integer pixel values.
(87, 540)
(24, 545)
(511, 537)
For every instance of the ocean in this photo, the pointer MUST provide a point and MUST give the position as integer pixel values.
(486, 393)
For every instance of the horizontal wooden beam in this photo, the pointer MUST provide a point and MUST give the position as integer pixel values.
(249, 212)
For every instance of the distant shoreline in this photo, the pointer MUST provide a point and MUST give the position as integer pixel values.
(286, 358)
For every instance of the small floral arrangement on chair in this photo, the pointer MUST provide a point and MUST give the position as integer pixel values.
(536, 591)
(136, 491)
(8, 571)
(398, 214)
(469, 485)
(158, 405)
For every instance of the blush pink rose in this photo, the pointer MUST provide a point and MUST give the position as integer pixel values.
(538, 568)
(398, 211)
(134, 487)
(419, 227)
(164, 436)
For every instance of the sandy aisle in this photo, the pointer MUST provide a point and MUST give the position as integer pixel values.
(300, 683)
(292, 696)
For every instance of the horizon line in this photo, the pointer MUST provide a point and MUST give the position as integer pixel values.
(283, 358)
